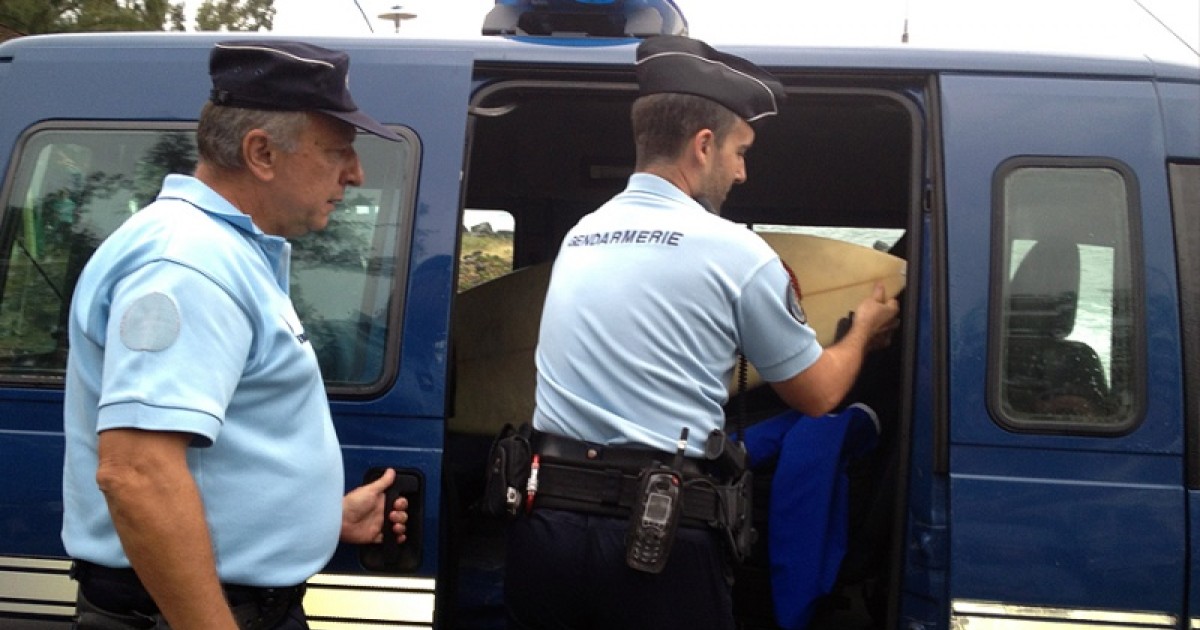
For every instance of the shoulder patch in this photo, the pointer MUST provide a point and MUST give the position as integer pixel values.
(792, 295)
(151, 323)
(793, 302)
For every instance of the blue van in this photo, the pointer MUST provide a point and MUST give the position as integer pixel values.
(1040, 459)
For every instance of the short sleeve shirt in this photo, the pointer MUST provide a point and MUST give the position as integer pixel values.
(181, 321)
(650, 300)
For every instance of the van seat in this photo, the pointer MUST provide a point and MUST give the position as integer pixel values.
(1046, 372)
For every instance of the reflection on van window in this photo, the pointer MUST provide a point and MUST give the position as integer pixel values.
(70, 190)
(486, 249)
(344, 277)
(1066, 308)
(72, 187)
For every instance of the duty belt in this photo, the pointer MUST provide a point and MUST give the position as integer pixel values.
(115, 598)
(585, 477)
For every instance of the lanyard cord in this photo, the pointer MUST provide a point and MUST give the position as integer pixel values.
(739, 422)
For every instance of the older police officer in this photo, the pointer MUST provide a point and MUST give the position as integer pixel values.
(652, 297)
(203, 480)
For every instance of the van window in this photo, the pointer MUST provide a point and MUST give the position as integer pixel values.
(1185, 199)
(1066, 325)
(71, 187)
(485, 251)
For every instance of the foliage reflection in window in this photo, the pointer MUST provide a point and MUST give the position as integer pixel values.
(72, 187)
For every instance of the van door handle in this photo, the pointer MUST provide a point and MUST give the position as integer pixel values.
(389, 556)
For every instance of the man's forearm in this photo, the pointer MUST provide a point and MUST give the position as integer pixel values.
(159, 517)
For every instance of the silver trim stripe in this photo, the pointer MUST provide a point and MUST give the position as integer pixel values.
(43, 587)
(985, 615)
(36, 586)
(366, 602)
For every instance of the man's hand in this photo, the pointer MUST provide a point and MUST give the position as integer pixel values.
(363, 511)
(877, 315)
(820, 388)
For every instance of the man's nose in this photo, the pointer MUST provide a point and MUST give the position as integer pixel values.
(353, 175)
(740, 176)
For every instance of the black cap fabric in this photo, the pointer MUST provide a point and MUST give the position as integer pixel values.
(287, 76)
(674, 63)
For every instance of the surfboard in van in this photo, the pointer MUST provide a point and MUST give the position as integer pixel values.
(496, 324)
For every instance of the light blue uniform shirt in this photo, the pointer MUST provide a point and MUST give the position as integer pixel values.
(650, 300)
(181, 321)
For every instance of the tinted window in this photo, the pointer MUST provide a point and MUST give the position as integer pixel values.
(70, 188)
(1067, 317)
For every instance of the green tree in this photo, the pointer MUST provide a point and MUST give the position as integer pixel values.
(74, 16)
(235, 15)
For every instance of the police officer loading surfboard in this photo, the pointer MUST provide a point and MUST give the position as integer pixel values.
(625, 523)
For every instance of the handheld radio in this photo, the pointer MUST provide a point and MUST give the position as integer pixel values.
(655, 515)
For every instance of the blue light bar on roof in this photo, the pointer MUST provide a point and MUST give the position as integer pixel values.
(585, 18)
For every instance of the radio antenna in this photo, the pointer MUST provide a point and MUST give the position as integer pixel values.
(364, 14)
(1164, 25)
(904, 35)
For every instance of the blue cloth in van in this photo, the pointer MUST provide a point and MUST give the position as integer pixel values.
(809, 509)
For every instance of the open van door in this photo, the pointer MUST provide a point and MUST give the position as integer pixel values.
(86, 147)
(1065, 422)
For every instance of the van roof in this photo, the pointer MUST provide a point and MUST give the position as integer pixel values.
(620, 52)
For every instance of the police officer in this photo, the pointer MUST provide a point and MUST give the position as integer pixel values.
(203, 479)
(652, 297)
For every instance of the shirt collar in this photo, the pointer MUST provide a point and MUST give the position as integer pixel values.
(197, 193)
(655, 185)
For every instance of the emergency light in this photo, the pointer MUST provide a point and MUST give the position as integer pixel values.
(585, 18)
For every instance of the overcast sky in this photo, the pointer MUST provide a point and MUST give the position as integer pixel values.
(1121, 27)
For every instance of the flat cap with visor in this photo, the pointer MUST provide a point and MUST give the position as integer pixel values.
(287, 76)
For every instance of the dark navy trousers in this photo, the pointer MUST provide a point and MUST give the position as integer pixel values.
(567, 570)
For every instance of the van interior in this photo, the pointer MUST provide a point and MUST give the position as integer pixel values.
(841, 160)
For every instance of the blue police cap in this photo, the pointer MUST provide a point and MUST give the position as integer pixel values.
(287, 76)
(674, 63)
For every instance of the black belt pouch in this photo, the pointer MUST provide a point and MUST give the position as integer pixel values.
(507, 471)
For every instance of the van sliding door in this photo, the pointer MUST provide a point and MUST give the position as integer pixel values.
(1066, 497)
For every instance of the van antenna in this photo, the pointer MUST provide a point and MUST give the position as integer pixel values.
(904, 35)
(1164, 25)
(365, 18)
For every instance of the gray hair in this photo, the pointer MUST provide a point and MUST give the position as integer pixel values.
(221, 129)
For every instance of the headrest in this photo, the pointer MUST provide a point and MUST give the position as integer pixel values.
(1044, 291)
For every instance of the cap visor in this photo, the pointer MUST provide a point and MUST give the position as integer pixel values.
(366, 123)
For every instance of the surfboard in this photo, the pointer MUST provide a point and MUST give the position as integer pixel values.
(494, 333)
(834, 278)
(495, 324)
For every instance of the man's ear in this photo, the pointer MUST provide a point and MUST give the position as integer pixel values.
(702, 146)
(259, 154)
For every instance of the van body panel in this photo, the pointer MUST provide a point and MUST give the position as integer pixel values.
(923, 575)
(988, 121)
(1035, 512)
(31, 466)
(1181, 102)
